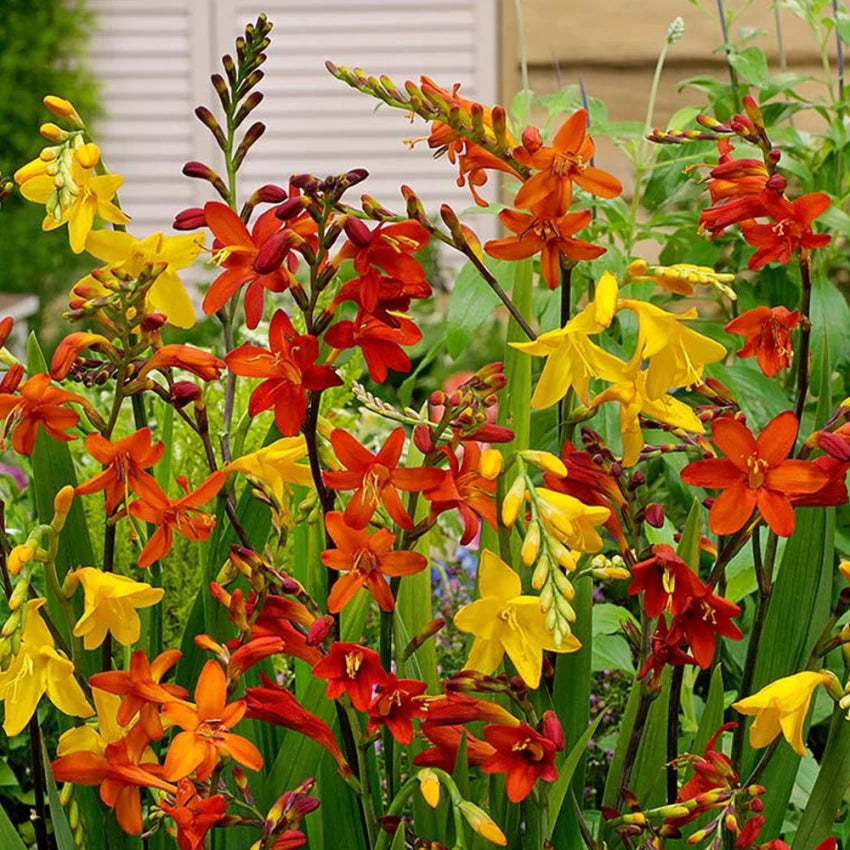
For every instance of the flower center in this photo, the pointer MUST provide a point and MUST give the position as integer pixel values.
(365, 561)
(374, 480)
(531, 750)
(756, 469)
(353, 662)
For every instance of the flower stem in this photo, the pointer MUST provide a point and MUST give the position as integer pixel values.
(727, 47)
(805, 336)
(39, 821)
(367, 802)
(633, 744)
(673, 733)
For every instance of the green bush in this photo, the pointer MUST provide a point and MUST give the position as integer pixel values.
(43, 53)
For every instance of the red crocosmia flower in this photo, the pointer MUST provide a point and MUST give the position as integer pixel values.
(248, 654)
(453, 708)
(38, 405)
(588, 483)
(666, 581)
(354, 670)
(121, 769)
(366, 560)
(395, 706)
(141, 690)
(393, 295)
(380, 343)
(523, 754)
(791, 228)
(768, 336)
(446, 741)
(254, 258)
(834, 492)
(206, 726)
(666, 651)
(466, 489)
(712, 770)
(742, 208)
(701, 620)
(193, 815)
(126, 461)
(183, 515)
(566, 161)
(388, 247)
(732, 178)
(547, 233)
(754, 473)
(274, 704)
(376, 478)
(289, 368)
(201, 363)
(276, 620)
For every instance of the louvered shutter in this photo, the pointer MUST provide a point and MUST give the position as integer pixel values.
(154, 59)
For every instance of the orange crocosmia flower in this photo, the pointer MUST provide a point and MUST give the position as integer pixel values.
(274, 704)
(121, 769)
(380, 343)
(141, 689)
(732, 177)
(125, 462)
(351, 669)
(453, 708)
(393, 296)
(473, 166)
(395, 706)
(446, 741)
(558, 166)
(550, 235)
(791, 229)
(366, 559)
(768, 336)
(183, 515)
(289, 368)
(465, 488)
(276, 619)
(252, 257)
(521, 753)
(754, 473)
(388, 247)
(68, 350)
(206, 726)
(38, 405)
(193, 815)
(201, 363)
(376, 478)
(666, 652)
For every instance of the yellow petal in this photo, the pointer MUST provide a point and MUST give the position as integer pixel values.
(496, 578)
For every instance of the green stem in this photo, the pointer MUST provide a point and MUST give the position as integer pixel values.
(523, 56)
(727, 46)
(805, 336)
(39, 820)
(367, 802)
(395, 809)
(673, 732)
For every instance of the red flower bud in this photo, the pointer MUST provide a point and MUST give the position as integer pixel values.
(273, 251)
(358, 232)
(190, 219)
(270, 194)
(654, 515)
(532, 141)
(552, 729)
(777, 182)
(153, 322)
(184, 392)
(320, 630)
(422, 439)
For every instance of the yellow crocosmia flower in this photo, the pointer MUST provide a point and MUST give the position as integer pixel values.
(631, 393)
(571, 521)
(276, 465)
(90, 738)
(110, 606)
(782, 706)
(122, 250)
(38, 669)
(572, 360)
(676, 353)
(682, 277)
(503, 620)
(75, 196)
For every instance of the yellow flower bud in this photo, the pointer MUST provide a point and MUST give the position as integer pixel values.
(482, 823)
(531, 544)
(512, 502)
(88, 155)
(34, 168)
(611, 573)
(637, 268)
(844, 569)
(429, 785)
(62, 108)
(546, 461)
(491, 464)
(53, 132)
(61, 506)
(20, 555)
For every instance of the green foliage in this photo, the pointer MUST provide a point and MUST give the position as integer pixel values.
(43, 53)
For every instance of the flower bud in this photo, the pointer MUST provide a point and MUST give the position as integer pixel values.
(88, 155)
(62, 108)
(271, 255)
(357, 232)
(553, 730)
(422, 439)
(532, 141)
(21, 554)
(190, 219)
(654, 515)
(61, 506)
(491, 464)
(482, 823)
(531, 545)
(546, 461)
(319, 630)
(513, 500)
(429, 785)
(183, 393)
(53, 132)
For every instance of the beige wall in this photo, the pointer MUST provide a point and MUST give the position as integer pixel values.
(613, 46)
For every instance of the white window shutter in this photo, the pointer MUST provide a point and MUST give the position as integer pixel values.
(154, 58)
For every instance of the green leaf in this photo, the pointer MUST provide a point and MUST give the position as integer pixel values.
(751, 64)
(833, 780)
(712, 715)
(609, 618)
(10, 838)
(558, 789)
(61, 828)
(471, 303)
(612, 652)
(688, 548)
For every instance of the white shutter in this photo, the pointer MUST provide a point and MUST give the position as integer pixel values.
(154, 58)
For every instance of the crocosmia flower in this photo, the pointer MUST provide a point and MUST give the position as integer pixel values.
(767, 333)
